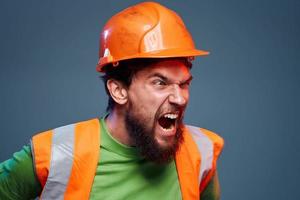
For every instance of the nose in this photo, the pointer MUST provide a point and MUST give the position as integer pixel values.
(179, 96)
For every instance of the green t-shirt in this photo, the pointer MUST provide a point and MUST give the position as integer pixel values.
(121, 174)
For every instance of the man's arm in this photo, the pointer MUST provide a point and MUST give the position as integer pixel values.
(17, 177)
(212, 190)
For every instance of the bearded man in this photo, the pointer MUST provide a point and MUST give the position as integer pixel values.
(141, 149)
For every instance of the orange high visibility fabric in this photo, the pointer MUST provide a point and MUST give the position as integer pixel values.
(42, 154)
(188, 160)
(87, 140)
(188, 167)
(86, 155)
(218, 146)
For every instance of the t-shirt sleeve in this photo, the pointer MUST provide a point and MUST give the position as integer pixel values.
(17, 177)
(212, 190)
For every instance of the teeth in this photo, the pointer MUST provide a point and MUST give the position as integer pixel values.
(171, 116)
(168, 129)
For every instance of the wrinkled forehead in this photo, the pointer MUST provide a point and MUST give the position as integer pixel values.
(172, 69)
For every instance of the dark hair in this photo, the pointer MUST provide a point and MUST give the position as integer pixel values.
(125, 70)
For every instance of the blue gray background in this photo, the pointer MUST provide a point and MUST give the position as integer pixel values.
(247, 90)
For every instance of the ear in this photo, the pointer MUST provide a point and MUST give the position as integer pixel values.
(117, 91)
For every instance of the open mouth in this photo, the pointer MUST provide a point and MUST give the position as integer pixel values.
(168, 121)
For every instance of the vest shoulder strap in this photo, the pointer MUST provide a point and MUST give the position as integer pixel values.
(66, 158)
(217, 144)
(196, 160)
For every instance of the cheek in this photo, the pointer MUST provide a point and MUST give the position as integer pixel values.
(142, 104)
(146, 100)
(153, 97)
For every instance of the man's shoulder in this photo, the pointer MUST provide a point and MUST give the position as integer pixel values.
(200, 134)
(88, 122)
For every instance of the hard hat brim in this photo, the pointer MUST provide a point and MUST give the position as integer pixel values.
(168, 53)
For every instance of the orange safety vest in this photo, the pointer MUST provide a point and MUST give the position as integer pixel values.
(66, 159)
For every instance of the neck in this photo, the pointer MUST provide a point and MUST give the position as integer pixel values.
(117, 128)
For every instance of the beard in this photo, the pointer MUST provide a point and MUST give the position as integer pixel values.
(144, 139)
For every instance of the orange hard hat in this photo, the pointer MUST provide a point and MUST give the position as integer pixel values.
(145, 30)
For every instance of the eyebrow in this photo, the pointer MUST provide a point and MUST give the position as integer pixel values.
(164, 78)
(188, 80)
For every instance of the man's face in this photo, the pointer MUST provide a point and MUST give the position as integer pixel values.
(157, 98)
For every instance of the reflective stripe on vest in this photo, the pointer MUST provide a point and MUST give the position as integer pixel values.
(206, 149)
(66, 159)
(210, 146)
(196, 160)
(62, 153)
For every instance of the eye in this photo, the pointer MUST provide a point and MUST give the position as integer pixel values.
(159, 82)
(185, 85)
